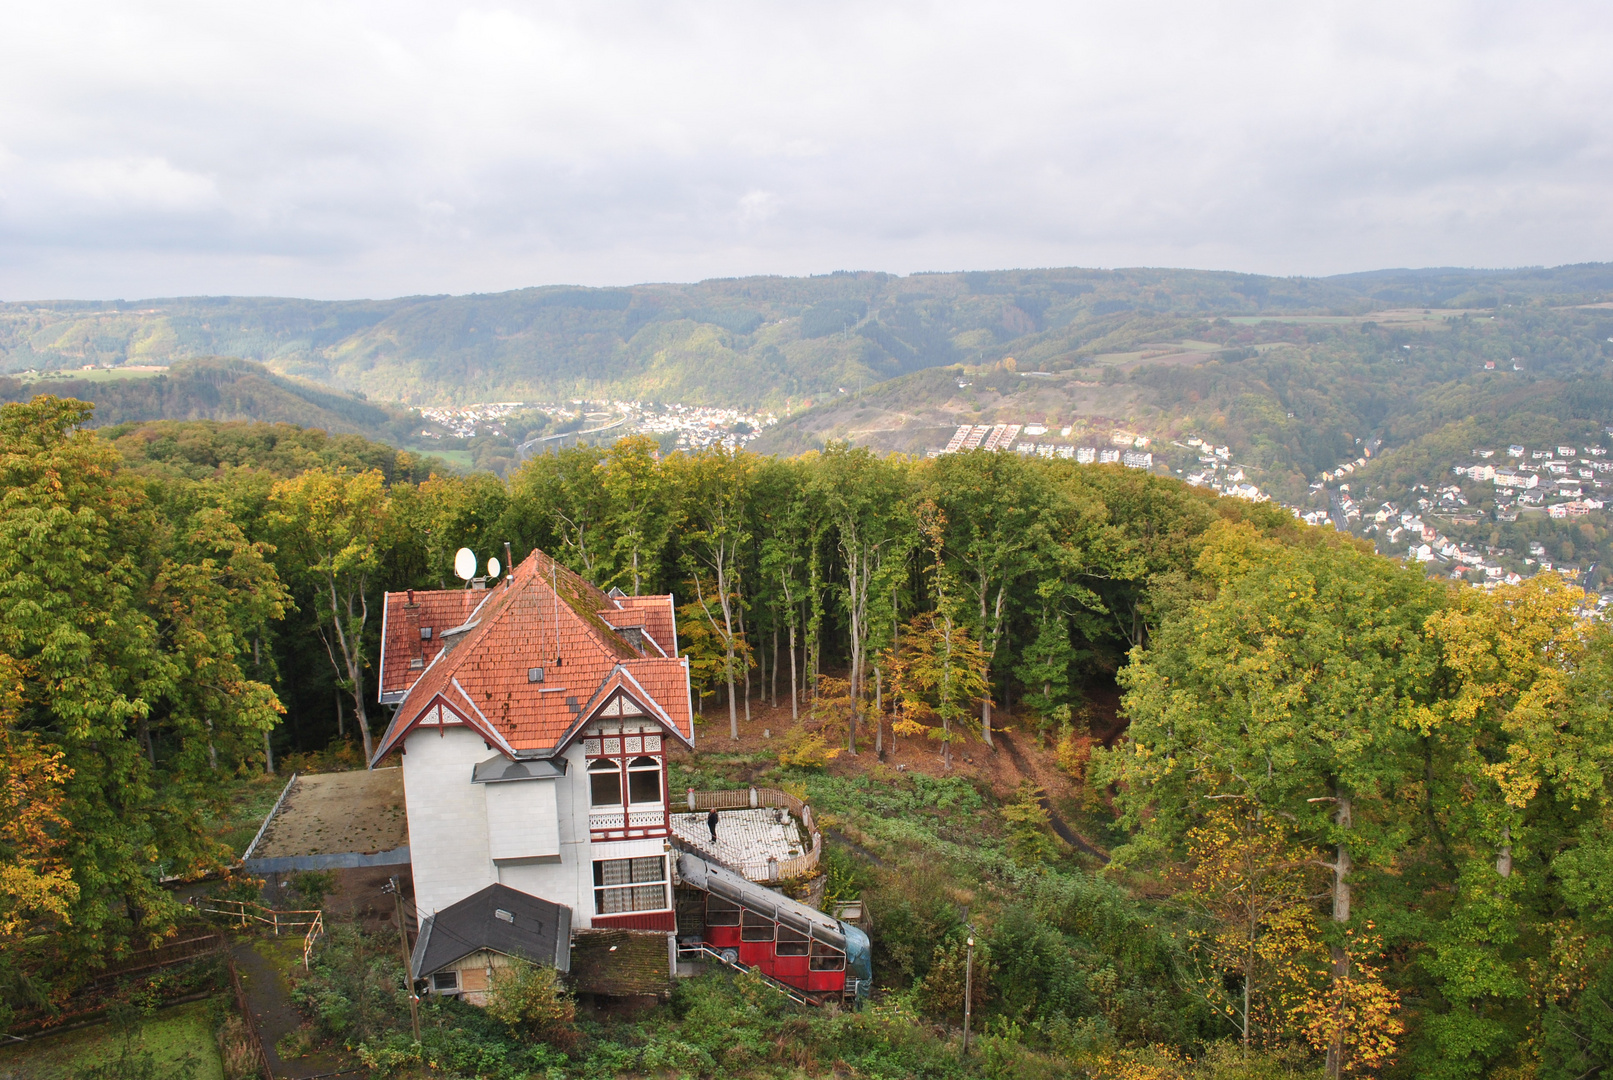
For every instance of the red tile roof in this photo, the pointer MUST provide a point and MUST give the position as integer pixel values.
(483, 669)
(402, 619)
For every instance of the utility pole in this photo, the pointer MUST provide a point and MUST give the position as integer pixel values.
(968, 992)
(403, 943)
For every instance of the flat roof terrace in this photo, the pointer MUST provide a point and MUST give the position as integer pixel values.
(329, 820)
(765, 843)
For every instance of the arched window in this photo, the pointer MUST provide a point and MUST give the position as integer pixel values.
(644, 780)
(605, 782)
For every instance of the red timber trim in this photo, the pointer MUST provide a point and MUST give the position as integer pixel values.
(639, 920)
(641, 821)
(447, 715)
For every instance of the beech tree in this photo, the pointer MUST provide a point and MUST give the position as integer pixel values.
(1292, 687)
(120, 636)
(330, 528)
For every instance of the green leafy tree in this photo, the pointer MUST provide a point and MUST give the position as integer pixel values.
(863, 499)
(331, 528)
(126, 636)
(1292, 688)
(714, 486)
(640, 508)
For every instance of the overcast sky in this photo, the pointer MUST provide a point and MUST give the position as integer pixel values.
(337, 149)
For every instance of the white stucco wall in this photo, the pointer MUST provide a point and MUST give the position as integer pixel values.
(571, 880)
(447, 816)
(522, 822)
(449, 835)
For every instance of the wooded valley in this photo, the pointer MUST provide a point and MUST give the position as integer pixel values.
(1346, 819)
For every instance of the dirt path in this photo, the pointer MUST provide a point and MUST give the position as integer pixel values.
(1006, 740)
(261, 966)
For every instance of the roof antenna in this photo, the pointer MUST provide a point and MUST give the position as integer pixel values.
(554, 587)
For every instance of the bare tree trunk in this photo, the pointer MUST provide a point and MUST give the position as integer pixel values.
(1503, 858)
(879, 714)
(1341, 915)
(352, 658)
(747, 664)
(257, 671)
(795, 694)
(775, 663)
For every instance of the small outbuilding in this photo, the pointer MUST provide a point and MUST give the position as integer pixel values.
(461, 945)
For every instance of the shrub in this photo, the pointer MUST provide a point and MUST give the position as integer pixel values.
(529, 999)
(806, 749)
(312, 886)
(942, 990)
(235, 1050)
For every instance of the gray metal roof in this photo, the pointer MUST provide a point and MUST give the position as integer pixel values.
(720, 881)
(498, 918)
(498, 770)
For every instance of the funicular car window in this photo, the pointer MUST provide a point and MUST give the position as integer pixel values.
(825, 957)
(720, 911)
(754, 926)
(792, 941)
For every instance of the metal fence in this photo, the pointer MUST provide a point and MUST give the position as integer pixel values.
(251, 1023)
(244, 913)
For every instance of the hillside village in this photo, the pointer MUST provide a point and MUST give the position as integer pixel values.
(1558, 481)
(695, 427)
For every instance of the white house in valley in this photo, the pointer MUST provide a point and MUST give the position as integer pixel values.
(534, 718)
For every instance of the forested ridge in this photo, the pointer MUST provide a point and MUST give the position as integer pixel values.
(1357, 821)
(755, 342)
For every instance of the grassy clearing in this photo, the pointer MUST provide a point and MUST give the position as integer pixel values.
(90, 375)
(168, 1035)
(249, 802)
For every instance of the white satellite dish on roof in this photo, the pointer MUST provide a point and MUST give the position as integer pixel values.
(464, 564)
(493, 568)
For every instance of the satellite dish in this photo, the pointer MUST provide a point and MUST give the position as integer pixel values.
(464, 564)
(493, 568)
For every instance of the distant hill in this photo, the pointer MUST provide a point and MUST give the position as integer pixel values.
(215, 388)
(1291, 395)
(763, 341)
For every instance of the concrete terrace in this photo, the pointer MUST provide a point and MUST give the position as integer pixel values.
(746, 839)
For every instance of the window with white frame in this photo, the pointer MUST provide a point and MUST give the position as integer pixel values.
(625, 885)
(605, 782)
(643, 780)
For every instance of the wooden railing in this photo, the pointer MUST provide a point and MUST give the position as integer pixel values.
(751, 798)
(244, 913)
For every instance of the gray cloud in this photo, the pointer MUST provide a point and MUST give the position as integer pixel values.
(349, 149)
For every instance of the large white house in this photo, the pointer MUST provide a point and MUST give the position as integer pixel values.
(534, 718)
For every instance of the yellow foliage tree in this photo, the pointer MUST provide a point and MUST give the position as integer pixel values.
(35, 881)
(1249, 880)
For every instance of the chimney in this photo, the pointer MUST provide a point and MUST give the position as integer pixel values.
(509, 564)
